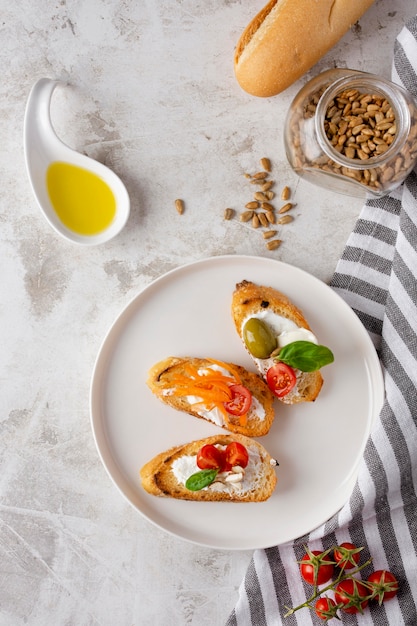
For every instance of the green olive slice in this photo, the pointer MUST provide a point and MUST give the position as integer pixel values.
(259, 338)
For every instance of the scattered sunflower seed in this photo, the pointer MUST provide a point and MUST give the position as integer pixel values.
(261, 197)
(266, 164)
(267, 206)
(286, 207)
(179, 205)
(255, 221)
(273, 244)
(263, 219)
(286, 219)
(246, 216)
(229, 214)
(286, 192)
(252, 205)
(268, 234)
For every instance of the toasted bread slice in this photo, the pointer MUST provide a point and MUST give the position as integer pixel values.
(168, 381)
(165, 475)
(281, 315)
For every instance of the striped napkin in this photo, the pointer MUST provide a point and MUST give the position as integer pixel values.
(377, 276)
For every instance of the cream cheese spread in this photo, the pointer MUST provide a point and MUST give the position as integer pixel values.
(186, 465)
(214, 415)
(286, 331)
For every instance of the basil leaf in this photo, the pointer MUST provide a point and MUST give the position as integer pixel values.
(305, 356)
(202, 479)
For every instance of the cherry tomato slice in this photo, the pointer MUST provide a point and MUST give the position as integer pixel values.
(236, 454)
(280, 379)
(210, 457)
(240, 402)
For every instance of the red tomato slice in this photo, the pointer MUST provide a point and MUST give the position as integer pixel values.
(240, 402)
(210, 457)
(281, 379)
(236, 454)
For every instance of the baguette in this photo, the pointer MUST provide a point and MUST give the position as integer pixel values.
(287, 37)
(166, 473)
(178, 381)
(282, 318)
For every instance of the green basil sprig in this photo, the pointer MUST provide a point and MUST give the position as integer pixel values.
(202, 479)
(305, 356)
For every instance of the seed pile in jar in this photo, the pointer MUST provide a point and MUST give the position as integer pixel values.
(260, 212)
(360, 126)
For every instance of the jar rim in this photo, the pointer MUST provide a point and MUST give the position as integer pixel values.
(375, 84)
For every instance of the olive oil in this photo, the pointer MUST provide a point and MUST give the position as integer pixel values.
(82, 200)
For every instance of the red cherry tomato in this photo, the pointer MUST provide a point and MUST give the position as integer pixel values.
(384, 585)
(236, 454)
(240, 402)
(210, 457)
(353, 594)
(281, 379)
(314, 568)
(346, 555)
(325, 608)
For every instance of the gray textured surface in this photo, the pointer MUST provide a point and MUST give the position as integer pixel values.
(152, 94)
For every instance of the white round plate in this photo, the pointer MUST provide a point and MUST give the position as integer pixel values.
(319, 445)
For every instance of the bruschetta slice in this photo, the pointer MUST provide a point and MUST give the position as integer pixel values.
(223, 467)
(223, 393)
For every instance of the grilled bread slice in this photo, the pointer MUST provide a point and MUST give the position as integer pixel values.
(166, 474)
(284, 319)
(200, 387)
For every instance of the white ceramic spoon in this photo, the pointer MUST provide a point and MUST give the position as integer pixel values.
(42, 147)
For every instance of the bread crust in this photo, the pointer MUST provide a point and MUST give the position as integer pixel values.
(162, 373)
(158, 479)
(287, 37)
(248, 299)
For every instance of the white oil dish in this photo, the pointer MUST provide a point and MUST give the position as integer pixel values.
(82, 199)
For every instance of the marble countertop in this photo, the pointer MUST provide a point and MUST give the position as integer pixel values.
(151, 93)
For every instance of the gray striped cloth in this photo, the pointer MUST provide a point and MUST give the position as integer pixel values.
(377, 276)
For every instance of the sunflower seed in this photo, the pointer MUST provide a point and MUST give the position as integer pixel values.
(266, 164)
(228, 214)
(263, 219)
(273, 244)
(246, 216)
(286, 219)
(285, 193)
(286, 207)
(179, 205)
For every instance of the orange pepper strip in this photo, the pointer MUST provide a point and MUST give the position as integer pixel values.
(228, 368)
(212, 386)
(243, 419)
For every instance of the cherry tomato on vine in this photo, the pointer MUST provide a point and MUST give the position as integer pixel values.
(353, 594)
(240, 402)
(236, 454)
(384, 585)
(210, 457)
(280, 379)
(346, 555)
(315, 568)
(325, 608)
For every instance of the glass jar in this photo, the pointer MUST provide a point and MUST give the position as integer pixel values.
(352, 132)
